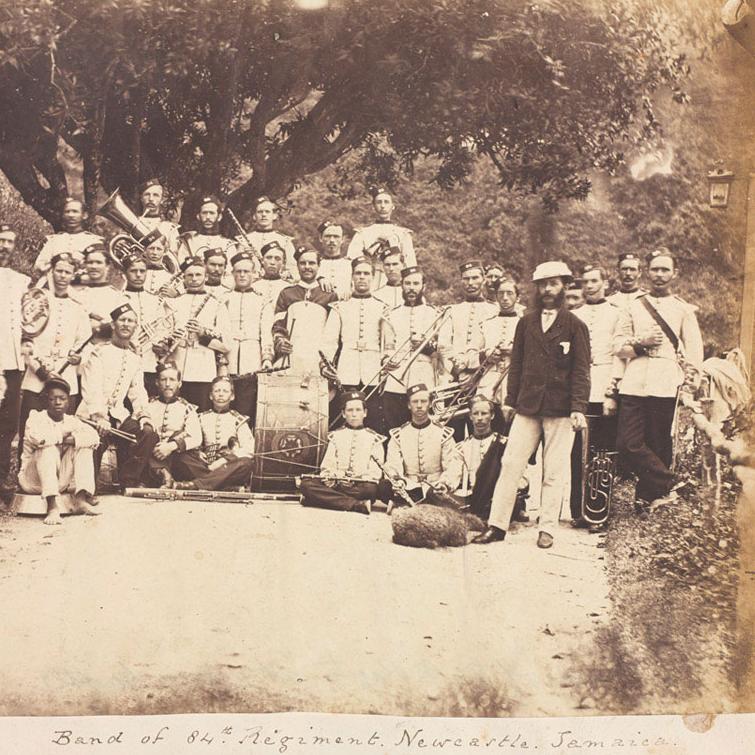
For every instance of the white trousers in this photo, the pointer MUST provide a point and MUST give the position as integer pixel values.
(524, 437)
(50, 471)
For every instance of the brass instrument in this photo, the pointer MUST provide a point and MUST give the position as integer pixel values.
(35, 312)
(598, 474)
(137, 237)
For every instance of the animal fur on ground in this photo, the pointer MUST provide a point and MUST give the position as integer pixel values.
(427, 526)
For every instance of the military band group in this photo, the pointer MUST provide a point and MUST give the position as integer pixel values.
(153, 343)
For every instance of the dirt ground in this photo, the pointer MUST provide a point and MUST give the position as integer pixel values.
(167, 607)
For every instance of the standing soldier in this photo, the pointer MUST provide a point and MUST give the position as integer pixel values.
(300, 315)
(630, 272)
(494, 274)
(658, 334)
(194, 243)
(548, 388)
(12, 363)
(466, 331)
(271, 283)
(266, 212)
(376, 239)
(202, 333)
(73, 239)
(216, 282)
(575, 297)
(56, 348)
(355, 327)
(350, 471)
(601, 318)
(423, 455)
(416, 341)
(335, 268)
(111, 376)
(391, 293)
(154, 317)
(251, 340)
(159, 279)
(151, 195)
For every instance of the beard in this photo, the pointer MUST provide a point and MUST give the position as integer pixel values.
(558, 300)
(412, 298)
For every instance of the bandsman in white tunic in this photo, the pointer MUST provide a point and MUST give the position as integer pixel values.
(356, 328)
(73, 239)
(176, 433)
(218, 281)
(56, 348)
(271, 283)
(416, 342)
(494, 274)
(630, 272)
(112, 375)
(251, 338)
(391, 293)
(195, 243)
(335, 267)
(12, 364)
(57, 455)
(300, 315)
(202, 332)
(423, 455)
(376, 239)
(265, 215)
(606, 369)
(160, 280)
(151, 195)
(350, 473)
(224, 460)
(659, 336)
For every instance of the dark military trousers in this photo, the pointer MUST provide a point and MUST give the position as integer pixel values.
(10, 411)
(234, 474)
(343, 496)
(645, 444)
(133, 458)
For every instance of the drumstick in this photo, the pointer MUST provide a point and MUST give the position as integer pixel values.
(78, 350)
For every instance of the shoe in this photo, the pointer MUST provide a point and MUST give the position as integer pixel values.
(166, 479)
(579, 524)
(491, 535)
(544, 539)
(596, 529)
(641, 508)
(189, 485)
(362, 507)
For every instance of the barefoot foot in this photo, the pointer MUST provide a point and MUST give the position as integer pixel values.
(53, 517)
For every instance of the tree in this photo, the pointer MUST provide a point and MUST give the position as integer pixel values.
(247, 97)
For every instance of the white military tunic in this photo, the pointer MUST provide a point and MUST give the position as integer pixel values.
(622, 299)
(365, 240)
(601, 320)
(658, 372)
(473, 450)
(109, 376)
(13, 285)
(169, 230)
(98, 301)
(357, 325)
(352, 453)
(196, 361)
(393, 296)
(403, 321)
(258, 239)
(466, 333)
(338, 273)
(270, 288)
(66, 330)
(194, 244)
(497, 331)
(251, 322)
(175, 420)
(219, 428)
(424, 454)
(156, 314)
(69, 243)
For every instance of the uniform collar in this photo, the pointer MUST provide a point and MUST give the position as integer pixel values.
(595, 303)
(512, 313)
(482, 437)
(167, 400)
(223, 410)
(267, 277)
(355, 295)
(474, 299)
(134, 289)
(425, 424)
(101, 284)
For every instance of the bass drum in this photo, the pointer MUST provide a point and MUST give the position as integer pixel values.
(291, 430)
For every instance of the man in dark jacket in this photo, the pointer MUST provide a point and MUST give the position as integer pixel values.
(548, 388)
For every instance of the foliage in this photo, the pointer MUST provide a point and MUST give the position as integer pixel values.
(245, 98)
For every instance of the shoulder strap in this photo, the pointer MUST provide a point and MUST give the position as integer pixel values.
(662, 324)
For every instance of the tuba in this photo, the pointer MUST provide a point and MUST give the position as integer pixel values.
(137, 237)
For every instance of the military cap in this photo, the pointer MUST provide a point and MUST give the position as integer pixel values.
(629, 256)
(302, 250)
(362, 260)
(551, 269)
(190, 262)
(240, 257)
(56, 381)
(347, 396)
(493, 266)
(210, 199)
(262, 199)
(64, 256)
(574, 285)
(410, 271)
(471, 265)
(5, 228)
(270, 246)
(162, 366)
(213, 252)
(661, 251)
(98, 246)
(70, 199)
(327, 224)
(118, 311)
(416, 388)
(376, 191)
(144, 185)
(131, 259)
(392, 251)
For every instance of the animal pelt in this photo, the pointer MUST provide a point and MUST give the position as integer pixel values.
(427, 526)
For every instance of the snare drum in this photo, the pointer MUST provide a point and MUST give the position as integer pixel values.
(291, 429)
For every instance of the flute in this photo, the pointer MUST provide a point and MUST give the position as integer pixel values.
(114, 431)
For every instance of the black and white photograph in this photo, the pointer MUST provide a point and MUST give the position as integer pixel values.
(380, 358)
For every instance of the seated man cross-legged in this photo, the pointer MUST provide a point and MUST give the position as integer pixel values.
(58, 454)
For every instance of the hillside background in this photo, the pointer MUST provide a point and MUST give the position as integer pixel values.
(660, 198)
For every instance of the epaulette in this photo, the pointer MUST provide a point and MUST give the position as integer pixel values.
(182, 400)
(376, 435)
(448, 433)
(394, 432)
(206, 411)
(238, 416)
